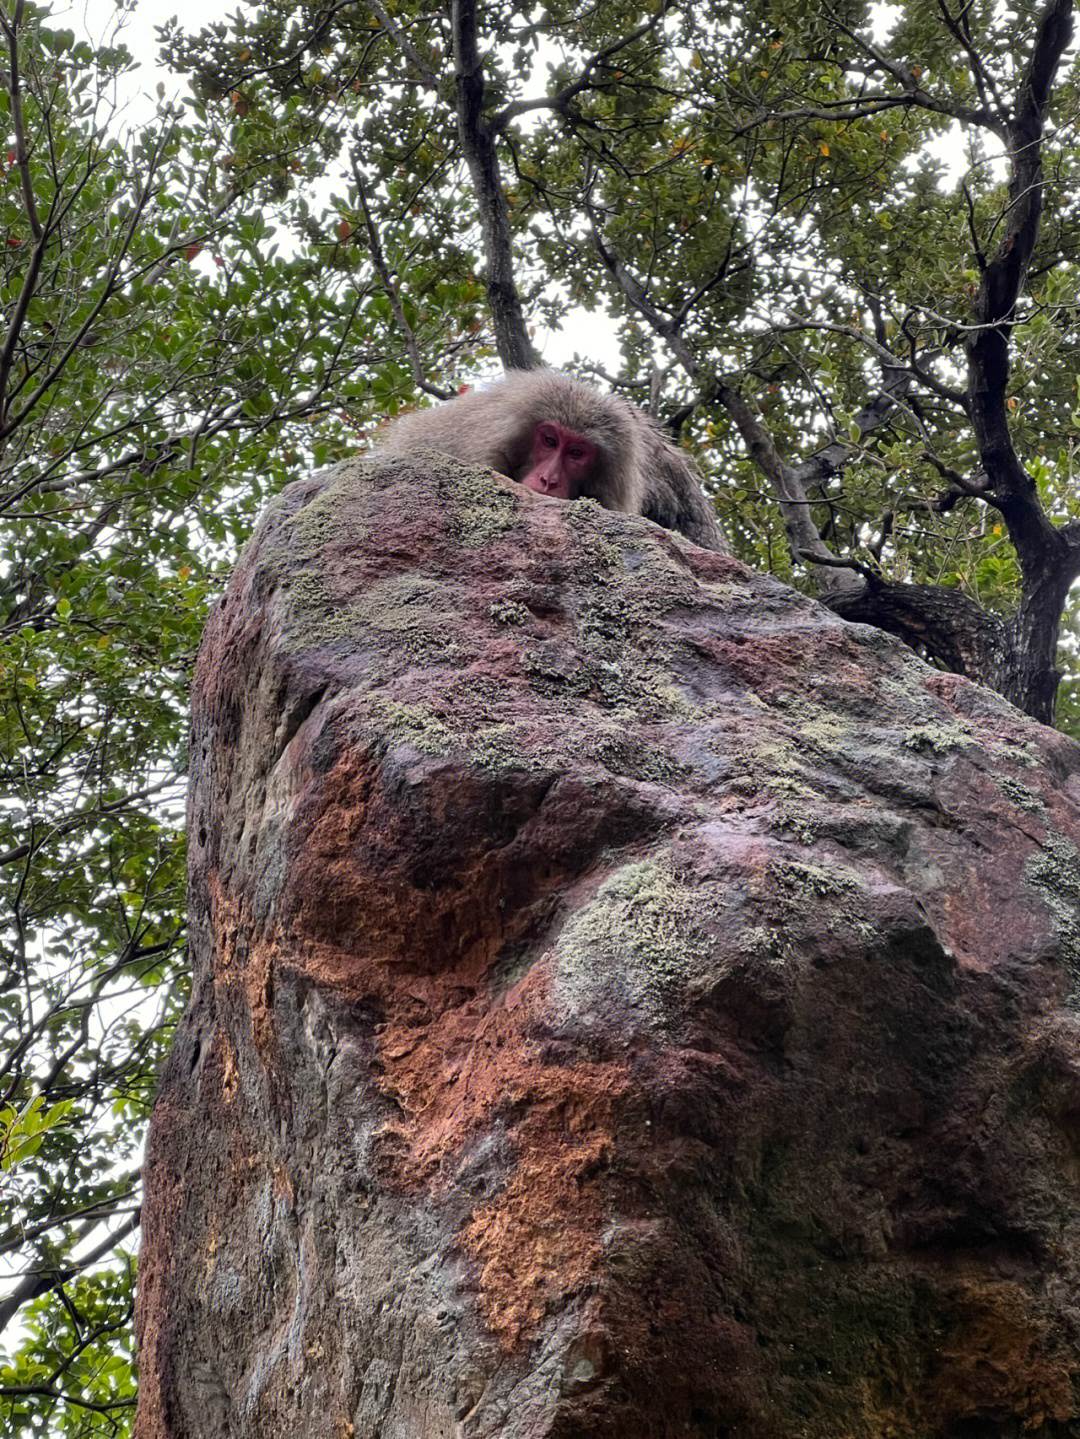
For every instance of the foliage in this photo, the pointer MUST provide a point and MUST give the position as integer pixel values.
(163, 365)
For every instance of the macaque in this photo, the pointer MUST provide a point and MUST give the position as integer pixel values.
(558, 436)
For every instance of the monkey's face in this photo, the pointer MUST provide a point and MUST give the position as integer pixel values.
(560, 462)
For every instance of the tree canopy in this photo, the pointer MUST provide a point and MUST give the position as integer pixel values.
(837, 244)
(872, 354)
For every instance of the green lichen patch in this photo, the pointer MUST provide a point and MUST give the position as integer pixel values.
(305, 535)
(480, 508)
(622, 752)
(412, 606)
(509, 613)
(389, 723)
(594, 541)
(497, 749)
(774, 765)
(1018, 794)
(1054, 873)
(772, 947)
(631, 950)
(410, 609)
(838, 897)
(309, 607)
(804, 881)
(937, 738)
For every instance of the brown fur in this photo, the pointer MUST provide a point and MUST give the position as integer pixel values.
(640, 471)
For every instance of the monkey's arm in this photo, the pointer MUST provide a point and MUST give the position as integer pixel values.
(674, 497)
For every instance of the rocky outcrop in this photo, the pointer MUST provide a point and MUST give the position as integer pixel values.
(627, 1002)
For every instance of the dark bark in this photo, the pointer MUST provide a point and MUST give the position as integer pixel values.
(1047, 562)
(478, 146)
(943, 624)
(1012, 489)
(1015, 654)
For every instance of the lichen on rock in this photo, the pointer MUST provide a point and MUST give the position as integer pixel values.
(628, 1002)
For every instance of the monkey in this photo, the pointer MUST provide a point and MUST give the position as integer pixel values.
(559, 436)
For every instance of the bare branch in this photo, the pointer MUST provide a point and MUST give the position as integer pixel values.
(972, 489)
(404, 44)
(383, 269)
(11, 29)
(926, 377)
(830, 561)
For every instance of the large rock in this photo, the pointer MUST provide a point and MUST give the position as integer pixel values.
(628, 1001)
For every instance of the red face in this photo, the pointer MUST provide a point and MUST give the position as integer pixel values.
(559, 462)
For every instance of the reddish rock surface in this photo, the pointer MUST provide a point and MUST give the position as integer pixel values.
(627, 1002)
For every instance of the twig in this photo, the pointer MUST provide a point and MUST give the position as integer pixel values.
(379, 261)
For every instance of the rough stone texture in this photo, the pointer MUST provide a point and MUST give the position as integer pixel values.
(628, 1002)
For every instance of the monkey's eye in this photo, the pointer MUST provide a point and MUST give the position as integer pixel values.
(549, 440)
(576, 452)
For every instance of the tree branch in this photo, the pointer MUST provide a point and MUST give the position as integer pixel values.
(378, 259)
(39, 1282)
(864, 109)
(945, 624)
(14, 86)
(914, 94)
(959, 29)
(561, 100)
(803, 535)
(404, 44)
(477, 145)
(1014, 491)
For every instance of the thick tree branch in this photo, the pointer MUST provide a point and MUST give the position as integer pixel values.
(1012, 489)
(803, 535)
(871, 416)
(945, 624)
(477, 145)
